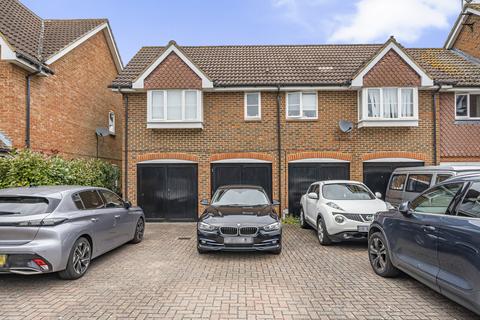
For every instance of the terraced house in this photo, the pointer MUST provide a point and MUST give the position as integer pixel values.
(285, 116)
(54, 77)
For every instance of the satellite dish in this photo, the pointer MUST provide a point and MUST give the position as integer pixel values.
(345, 126)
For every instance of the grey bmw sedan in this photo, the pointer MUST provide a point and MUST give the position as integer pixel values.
(62, 228)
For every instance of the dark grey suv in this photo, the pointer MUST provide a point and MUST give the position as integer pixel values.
(435, 239)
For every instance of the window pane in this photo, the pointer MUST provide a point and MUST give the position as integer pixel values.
(252, 111)
(91, 199)
(174, 105)
(437, 200)
(407, 102)
(252, 99)
(390, 103)
(157, 105)
(293, 107)
(475, 106)
(461, 106)
(191, 105)
(442, 177)
(253, 107)
(309, 105)
(470, 206)
(373, 101)
(111, 199)
(418, 182)
(398, 182)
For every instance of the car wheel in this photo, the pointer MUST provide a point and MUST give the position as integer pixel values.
(322, 234)
(78, 260)
(277, 251)
(139, 231)
(379, 256)
(303, 223)
(201, 251)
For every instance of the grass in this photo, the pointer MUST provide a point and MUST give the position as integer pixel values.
(290, 219)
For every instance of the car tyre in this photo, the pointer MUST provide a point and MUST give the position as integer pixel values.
(322, 233)
(379, 257)
(303, 222)
(277, 251)
(78, 260)
(139, 231)
(201, 251)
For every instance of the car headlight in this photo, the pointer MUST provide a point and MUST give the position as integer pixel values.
(334, 206)
(339, 218)
(206, 227)
(272, 227)
(389, 206)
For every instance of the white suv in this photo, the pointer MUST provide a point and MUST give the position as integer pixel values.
(340, 210)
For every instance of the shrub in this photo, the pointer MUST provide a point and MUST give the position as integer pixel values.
(27, 168)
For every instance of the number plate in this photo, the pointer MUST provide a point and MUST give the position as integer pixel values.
(362, 228)
(238, 240)
(3, 260)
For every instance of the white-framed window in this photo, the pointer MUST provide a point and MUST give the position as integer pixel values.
(174, 106)
(389, 104)
(111, 123)
(253, 106)
(302, 105)
(467, 106)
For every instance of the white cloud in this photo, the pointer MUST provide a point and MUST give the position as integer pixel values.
(376, 20)
(300, 12)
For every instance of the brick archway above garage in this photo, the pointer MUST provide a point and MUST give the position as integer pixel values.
(167, 155)
(241, 155)
(319, 155)
(394, 154)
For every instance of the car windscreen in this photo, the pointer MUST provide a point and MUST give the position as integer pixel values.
(346, 191)
(24, 205)
(240, 197)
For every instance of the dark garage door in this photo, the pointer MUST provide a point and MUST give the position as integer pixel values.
(168, 191)
(301, 175)
(377, 174)
(257, 174)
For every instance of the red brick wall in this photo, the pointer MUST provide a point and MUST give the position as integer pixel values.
(469, 40)
(227, 135)
(173, 73)
(68, 106)
(459, 140)
(391, 71)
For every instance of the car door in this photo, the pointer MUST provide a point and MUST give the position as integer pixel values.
(123, 220)
(311, 204)
(413, 236)
(459, 248)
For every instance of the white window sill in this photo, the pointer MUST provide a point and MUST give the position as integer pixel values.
(301, 119)
(388, 123)
(175, 125)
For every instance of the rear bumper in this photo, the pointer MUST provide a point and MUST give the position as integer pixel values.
(26, 264)
(262, 241)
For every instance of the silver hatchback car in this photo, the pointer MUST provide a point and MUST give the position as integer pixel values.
(62, 228)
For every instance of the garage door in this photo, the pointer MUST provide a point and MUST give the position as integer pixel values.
(257, 174)
(168, 192)
(377, 174)
(301, 175)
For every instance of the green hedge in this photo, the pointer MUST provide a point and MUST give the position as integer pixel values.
(27, 168)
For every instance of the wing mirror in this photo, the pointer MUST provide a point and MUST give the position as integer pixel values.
(378, 195)
(204, 202)
(313, 195)
(275, 202)
(127, 204)
(404, 208)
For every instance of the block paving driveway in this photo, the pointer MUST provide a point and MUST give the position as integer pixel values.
(165, 278)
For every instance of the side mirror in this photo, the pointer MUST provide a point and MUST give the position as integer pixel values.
(204, 202)
(275, 202)
(127, 204)
(404, 208)
(378, 195)
(313, 195)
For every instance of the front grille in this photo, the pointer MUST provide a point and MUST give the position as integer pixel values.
(248, 230)
(229, 230)
(353, 216)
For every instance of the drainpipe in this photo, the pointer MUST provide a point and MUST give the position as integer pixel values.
(434, 111)
(27, 108)
(279, 147)
(125, 173)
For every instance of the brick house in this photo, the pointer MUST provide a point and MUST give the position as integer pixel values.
(200, 117)
(54, 77)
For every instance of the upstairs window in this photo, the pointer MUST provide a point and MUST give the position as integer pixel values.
(467, 106)
(302, 105)
(253, 106)
(389, 104)
(174, 106)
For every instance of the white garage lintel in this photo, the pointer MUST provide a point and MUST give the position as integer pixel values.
(165, 161)
(241, 160)
(319, 160)
(394, 160)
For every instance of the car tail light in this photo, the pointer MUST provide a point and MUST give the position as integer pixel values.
(41, 222)
(41, 263)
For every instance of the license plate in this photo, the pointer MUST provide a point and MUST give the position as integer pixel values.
(238, 240)
(3, 260)
(362, 228)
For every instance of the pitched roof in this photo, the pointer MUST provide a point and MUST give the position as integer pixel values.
(35, 38)
(271, 65)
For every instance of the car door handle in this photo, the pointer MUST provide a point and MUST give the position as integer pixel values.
(94, 219)
(428, 228)
(117, 216)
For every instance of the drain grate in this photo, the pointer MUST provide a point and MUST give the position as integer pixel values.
(184, 238)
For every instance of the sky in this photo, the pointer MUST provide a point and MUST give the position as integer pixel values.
(137, 23)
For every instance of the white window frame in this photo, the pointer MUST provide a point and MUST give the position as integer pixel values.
(111, 124)
(467, 117)
(150, 118)
(364, 107)
(259, 117)
(301, 117)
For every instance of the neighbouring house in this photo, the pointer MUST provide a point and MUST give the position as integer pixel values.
(54, 77)
(460, 110)
(281, 117)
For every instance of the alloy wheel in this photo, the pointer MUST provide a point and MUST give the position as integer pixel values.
(378, 254)
(81, 257)
(320, 232)
(140, 229)
(302, 218)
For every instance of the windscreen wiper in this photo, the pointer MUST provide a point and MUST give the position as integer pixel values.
(8, 212)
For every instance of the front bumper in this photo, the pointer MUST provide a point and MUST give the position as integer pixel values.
(262, 241)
